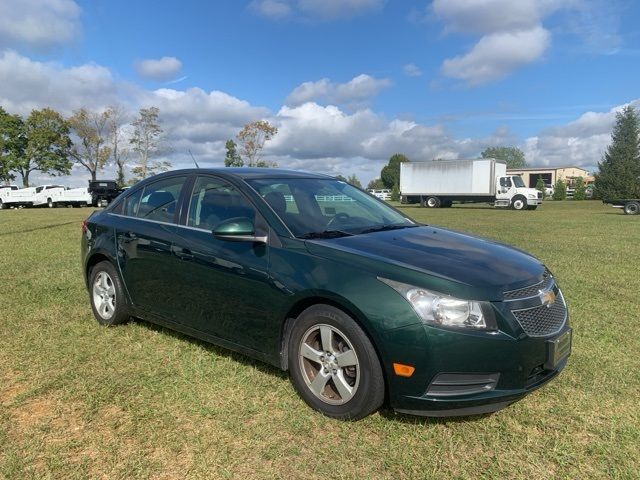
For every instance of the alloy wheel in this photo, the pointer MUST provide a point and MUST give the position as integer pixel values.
(104, 295)
(329, 364)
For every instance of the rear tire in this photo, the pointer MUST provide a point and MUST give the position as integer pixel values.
(632, 208)
(2, 205)
(333, 365)
(50, 203)
(432, 202)
(107, 295)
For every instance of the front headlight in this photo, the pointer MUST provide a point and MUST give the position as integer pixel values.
(445, 311)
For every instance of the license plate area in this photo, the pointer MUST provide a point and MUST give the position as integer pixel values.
(558, 349)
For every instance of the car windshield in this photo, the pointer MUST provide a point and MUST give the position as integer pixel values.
(518, 182)
(327, 208)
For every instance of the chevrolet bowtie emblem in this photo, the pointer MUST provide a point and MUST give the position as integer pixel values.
(547, 298)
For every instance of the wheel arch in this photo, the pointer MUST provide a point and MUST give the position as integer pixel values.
(341, 304)
(93, 260)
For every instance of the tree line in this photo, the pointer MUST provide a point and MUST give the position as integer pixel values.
(47, 142)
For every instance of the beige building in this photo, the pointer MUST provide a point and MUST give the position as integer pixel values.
(550, 175)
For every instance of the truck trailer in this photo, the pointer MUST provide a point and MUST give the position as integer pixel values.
(440, 183)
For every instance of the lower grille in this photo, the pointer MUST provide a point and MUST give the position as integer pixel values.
(543, 320)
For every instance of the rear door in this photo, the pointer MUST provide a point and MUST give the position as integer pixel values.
(144, 235)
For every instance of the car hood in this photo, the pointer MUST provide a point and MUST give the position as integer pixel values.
(453, 256)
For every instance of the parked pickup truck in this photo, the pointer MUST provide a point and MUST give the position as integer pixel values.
(630, 206)
(32, 196)
(103, 192)
(45, 195)
(5, 192)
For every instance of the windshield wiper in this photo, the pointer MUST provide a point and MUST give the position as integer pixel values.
(325, 234)
(384, 228)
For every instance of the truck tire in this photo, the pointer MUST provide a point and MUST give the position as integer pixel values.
(2, 205)
(432, 202)
(519, 203)
(632, 208)
(50, 203)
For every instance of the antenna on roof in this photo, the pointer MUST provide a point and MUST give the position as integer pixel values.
(193, 158)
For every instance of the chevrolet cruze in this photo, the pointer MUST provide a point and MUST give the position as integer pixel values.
(357, 301)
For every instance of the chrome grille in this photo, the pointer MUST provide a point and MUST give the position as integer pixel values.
(543, 320)
(531, 290)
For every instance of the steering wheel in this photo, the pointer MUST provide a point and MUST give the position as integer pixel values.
(338, 217)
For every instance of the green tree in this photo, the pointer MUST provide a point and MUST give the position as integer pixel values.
(580, 192)
(540, 187)
(560, 190)
(47, 145)
(342, 178)
(395, 193)
(232, 157)
(512, 155)
(390, 174)
(146, 142)
(252, 139)
(619, 170)
(91, 130)
(353, 180)
(13, 143)
(375, 184)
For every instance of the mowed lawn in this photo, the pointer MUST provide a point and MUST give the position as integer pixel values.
(78, 400)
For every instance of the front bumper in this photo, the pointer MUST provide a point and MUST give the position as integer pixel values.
(514, 364)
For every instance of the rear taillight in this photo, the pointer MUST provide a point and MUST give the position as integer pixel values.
(84, 225)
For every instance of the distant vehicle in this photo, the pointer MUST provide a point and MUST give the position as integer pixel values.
(440, 183)
(549, 190)
(5, 192)
(71, 197)
(103, 192)
(630, 206)
(33, 196)
(381, 194)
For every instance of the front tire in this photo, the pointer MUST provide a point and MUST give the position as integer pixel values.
(50, 203)
(107, 295)
(519, 203)
(333, 365)
(632, 208)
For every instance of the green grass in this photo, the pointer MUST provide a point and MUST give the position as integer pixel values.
(138, 401)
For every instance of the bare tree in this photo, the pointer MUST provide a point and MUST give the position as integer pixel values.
(146, 142)
(118, 117)
(252, 139)
(91, 128)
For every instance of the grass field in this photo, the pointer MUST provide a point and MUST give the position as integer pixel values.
(138, 401)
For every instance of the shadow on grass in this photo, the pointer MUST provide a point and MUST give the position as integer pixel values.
(385, 411)
(35, 229)
(216, 349)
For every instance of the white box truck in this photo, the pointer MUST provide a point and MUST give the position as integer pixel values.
(440, 183)
(5, 193)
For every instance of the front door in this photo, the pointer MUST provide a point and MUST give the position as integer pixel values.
(506, 190)
(144, 237)
(224, 286)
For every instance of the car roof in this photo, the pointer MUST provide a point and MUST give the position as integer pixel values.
(247, 173)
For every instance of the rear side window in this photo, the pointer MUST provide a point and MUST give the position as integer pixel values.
(131, 204)
(159, 200)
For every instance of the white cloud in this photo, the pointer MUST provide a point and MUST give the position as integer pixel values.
(311, 136)
(511, 35)
(162, 69)
(354, 93)
(38, 24)
(315, 9)
(496, 55)
(273, 9)
(411, 70)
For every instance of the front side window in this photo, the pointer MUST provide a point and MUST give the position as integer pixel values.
(213, 201)
(158, 200)
(505, 182)
(316, 207)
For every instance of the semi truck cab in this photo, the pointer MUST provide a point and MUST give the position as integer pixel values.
(512, 192)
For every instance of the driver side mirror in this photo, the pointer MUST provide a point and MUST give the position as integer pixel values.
(239, 229)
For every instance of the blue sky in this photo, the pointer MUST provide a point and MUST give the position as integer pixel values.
(438, 78)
